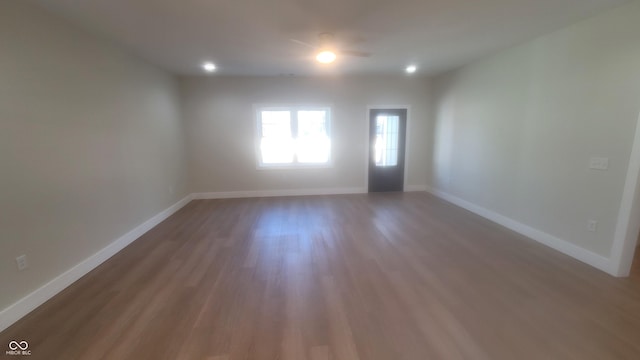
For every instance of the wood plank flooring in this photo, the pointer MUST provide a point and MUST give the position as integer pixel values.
(369, 277)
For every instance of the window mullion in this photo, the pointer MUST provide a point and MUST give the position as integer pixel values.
(294, 134)
(305, 143)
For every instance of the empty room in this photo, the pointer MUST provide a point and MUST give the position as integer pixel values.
(320, 180)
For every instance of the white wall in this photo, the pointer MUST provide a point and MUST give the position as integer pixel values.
(220, 121)
(90, 146)
(513, 133)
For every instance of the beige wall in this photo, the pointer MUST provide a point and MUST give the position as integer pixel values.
(220, 120)
(90, 146)
(92, 143)
(514, 132)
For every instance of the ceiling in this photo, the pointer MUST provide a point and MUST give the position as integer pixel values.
(251, 37)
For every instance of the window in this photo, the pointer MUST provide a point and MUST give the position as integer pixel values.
(386, 146)
(293, 137)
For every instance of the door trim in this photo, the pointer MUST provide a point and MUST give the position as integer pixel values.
(407, 141)
(628, 222)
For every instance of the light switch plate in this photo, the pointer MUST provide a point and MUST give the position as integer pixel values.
(599, 163)
(22, 263)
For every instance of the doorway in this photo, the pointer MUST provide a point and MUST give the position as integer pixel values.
(635, 265)
(387, 138)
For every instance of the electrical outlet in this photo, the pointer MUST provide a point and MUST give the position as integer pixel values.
(592, 226)
(170, 190)
(22, 262)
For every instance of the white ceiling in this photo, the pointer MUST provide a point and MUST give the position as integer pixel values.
(251, 37)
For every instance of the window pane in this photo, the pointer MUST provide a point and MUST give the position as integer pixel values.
(386, 146)
(276, 124)
(313, 143)
(276, 151)
(276, 145)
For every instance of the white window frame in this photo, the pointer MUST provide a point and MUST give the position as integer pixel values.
(258, 109)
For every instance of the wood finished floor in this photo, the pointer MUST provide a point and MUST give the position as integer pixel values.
(370, 277)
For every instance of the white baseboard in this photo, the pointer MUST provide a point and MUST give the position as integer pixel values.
(272, 193)
(22, 307)
(294, 192)
(598, 261)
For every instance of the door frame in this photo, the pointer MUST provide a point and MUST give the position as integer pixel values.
(628, 222)
(368, 140)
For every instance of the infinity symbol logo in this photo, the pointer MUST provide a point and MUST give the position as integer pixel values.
(22, 345)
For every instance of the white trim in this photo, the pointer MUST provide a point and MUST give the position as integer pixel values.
(628, 225)
(273, 193)
(565, 247)
(368, 139)
(407, 146)
(22, 307)
(367, 146)
(293, 110)
(296, 166)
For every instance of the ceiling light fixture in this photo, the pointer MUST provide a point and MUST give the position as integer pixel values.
(411, 69)
(209, 67)
(326, 57)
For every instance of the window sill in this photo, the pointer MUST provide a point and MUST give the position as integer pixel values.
(294, 167)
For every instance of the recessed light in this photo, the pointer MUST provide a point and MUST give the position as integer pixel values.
(209, 67)
(326, 57)
(411, 69)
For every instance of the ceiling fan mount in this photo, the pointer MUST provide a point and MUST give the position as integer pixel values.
(326, 43)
